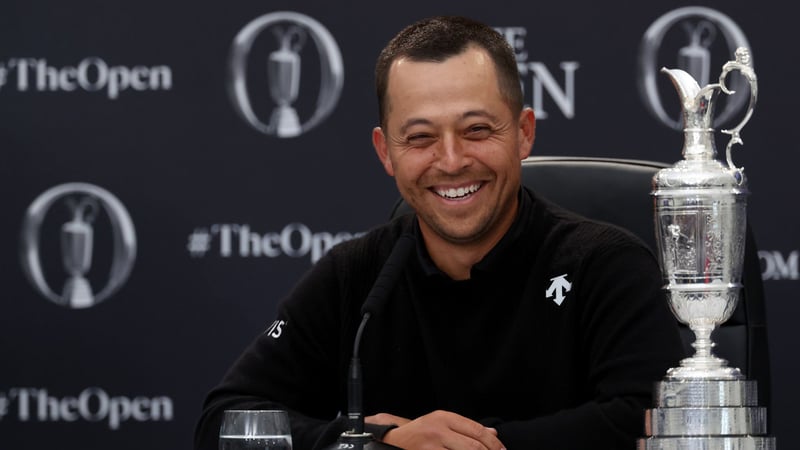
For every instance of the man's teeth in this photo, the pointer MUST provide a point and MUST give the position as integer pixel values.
(458, 193)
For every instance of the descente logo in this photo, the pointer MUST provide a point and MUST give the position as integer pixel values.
(93, 404)
(91, 74)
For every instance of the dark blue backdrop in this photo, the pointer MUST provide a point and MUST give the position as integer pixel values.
(138, 101)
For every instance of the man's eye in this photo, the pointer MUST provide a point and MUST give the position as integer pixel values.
(419, 139)
(478, 132)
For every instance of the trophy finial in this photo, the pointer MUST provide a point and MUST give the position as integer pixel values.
(743, 56)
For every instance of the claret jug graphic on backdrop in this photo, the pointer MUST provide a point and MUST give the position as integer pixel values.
(75, 244)
(271, 64)
(694, 39)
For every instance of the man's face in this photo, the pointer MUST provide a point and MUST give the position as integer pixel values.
(454, 146)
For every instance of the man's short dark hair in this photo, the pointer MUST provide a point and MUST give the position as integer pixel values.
(439, 38)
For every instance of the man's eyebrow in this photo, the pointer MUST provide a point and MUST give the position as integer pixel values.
(411, 122)
(478, 113)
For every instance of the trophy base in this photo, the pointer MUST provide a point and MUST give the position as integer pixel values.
(723, 421)
(702, 393)
(706, 414)
(708, 443)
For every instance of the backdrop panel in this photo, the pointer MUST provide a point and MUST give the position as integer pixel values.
(163, 191)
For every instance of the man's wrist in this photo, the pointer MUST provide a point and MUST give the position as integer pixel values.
(379, 431)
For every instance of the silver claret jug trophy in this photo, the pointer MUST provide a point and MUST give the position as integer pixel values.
(700, 204)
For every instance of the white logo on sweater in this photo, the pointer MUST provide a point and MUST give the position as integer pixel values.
(558, 287)
(275, 329)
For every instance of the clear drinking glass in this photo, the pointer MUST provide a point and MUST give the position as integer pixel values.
(255, 430)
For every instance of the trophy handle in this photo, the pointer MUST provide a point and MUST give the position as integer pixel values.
(743, 64)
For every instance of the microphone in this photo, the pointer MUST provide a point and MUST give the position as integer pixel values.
(355, 437)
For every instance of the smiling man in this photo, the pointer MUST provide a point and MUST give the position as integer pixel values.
(454, 145)
(514, 324)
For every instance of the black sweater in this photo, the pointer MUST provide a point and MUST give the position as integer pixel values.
(497, 348)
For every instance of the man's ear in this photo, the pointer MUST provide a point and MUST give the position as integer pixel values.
(527, 132)
(379, 142)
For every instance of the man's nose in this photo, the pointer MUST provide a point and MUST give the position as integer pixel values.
(450, 155)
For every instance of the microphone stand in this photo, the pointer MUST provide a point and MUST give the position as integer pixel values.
(355, 438)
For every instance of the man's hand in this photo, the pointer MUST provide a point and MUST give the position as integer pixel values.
(437, 430)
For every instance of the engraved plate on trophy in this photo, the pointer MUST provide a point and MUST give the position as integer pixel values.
(283, 75)
(700, 207)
